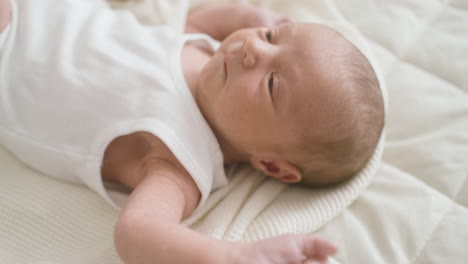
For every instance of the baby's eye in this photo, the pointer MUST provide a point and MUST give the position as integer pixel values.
(268, 35)
(270, 84)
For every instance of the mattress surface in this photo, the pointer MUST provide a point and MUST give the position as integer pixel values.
(415, 211)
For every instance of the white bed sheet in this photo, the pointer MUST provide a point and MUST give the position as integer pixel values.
(414, 211)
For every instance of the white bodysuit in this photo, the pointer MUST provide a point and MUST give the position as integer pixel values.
(74, 75)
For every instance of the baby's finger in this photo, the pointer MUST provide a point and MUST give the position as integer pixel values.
(324, 248)
(318, 248)
(265, 17)
(316, 261)
(283, 20)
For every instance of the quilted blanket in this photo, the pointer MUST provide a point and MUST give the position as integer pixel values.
(413, 211)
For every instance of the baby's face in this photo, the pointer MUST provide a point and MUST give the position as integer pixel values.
(263, 87)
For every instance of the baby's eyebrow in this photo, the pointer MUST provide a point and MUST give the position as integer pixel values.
(283, 93)
(286, 73)
(286, 89)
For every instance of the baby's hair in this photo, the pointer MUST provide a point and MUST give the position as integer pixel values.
(330, 160)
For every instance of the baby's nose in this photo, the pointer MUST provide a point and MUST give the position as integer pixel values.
(252, 51)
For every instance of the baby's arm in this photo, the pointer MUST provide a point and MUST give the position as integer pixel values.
(4, 14)
(149, 229)
(220, 20)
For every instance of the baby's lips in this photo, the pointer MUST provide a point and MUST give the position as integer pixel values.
(225, 66)
(230, 54)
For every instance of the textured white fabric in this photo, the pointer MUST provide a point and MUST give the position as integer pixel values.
(156, 12)
(415, 210)
(75, 75)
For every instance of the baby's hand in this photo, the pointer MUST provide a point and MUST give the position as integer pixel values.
(257, 16)
(289, 249)
(220, 20)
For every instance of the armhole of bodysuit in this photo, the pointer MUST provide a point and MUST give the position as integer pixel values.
(203, 41)
(4, 34)
(5, 10)
(6, 31)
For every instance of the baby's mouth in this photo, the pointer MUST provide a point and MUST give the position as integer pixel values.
(225, 66)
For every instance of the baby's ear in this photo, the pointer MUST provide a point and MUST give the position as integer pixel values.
(277, 168)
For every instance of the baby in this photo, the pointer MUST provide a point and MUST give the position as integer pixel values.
(91, 94)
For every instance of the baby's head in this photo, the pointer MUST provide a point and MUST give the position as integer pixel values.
(298, 101)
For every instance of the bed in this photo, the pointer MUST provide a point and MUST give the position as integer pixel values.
(410, 207)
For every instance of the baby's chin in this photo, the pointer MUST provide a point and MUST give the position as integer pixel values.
(209, 72)
(211, 78)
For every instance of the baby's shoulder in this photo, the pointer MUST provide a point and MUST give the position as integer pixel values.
(127, 158)
(4, 14)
